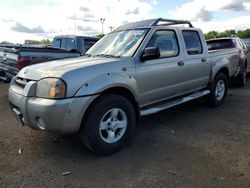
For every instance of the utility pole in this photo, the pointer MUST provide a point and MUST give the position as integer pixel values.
(102, 20)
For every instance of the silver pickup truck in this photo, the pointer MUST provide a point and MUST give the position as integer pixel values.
(139, 69)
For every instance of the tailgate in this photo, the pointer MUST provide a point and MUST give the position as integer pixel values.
(8, 63)
(8, 57)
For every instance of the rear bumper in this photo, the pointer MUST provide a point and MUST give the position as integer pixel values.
(58, 116)
(7, 73)
(2, 72)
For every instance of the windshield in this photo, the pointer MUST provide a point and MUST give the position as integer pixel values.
(118, 44)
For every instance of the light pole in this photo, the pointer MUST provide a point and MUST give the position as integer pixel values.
(111, 28)
(75, 26)
(102, 20)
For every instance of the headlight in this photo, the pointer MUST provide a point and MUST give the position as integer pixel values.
(51, 88)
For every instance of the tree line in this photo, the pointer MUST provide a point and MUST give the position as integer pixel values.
(28, 41)
(211, 34)
(44, 41)
(214, 34)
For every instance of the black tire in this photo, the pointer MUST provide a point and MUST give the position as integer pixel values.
(215, 98)
(91, 134)
(240, 80)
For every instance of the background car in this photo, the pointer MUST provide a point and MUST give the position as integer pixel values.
(243, 56)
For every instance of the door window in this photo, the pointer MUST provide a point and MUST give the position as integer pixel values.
(63, 45)
(166, 42)
(192, 42)
(56, 43)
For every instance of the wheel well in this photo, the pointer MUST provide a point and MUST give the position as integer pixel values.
(127, 94)
(119, 91)
(225, 71)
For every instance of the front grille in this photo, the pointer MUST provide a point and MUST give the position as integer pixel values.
(21, 82)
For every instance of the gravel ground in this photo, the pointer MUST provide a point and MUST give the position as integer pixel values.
(191, 145)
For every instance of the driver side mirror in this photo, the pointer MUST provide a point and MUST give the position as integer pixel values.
(150, 53)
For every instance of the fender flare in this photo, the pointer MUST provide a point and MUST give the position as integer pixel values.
(221, 65)
(106, 81)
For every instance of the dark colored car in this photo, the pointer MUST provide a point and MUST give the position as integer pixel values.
(13, 59)
(70, 42)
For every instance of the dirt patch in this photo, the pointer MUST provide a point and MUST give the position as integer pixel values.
(191, 145)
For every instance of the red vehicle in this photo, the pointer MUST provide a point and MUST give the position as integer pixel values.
(243, 55)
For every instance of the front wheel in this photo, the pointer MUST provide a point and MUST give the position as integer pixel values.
(218, 89)
(109, 123)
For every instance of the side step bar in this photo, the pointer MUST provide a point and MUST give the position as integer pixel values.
(176, 102)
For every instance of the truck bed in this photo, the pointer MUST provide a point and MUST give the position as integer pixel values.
(13, 59)
(229, 56)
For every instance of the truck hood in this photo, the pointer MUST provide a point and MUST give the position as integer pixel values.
(78, 71)
(58, 68)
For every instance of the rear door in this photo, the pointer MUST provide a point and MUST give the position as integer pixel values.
(196, 60)
(161, 78)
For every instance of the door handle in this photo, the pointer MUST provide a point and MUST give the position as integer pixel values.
(180, 63)
(203, 60)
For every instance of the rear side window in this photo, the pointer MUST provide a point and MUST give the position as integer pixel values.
(89, 43)
(192, 42)
(166, 42)
(63, 45)
(56, 43)
(70, 44)
(220, 44)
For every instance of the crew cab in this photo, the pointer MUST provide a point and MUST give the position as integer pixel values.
(64, 46)
(138, 69)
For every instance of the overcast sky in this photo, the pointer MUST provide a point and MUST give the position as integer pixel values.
(40, 19)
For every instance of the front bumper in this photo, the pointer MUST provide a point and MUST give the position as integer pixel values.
(58, 116)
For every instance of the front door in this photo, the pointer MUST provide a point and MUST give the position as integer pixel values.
(163, 77)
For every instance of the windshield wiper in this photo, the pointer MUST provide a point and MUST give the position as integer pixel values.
(108, 55)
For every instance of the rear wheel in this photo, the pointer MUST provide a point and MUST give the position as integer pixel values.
(108, 125)
(218, 89)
